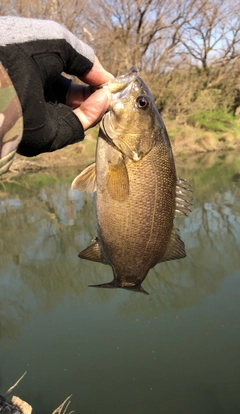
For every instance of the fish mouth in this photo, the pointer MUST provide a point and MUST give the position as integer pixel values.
(120, 86)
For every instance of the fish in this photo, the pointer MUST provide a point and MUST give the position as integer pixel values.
(138, 194)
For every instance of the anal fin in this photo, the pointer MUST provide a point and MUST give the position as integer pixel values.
(175, 248)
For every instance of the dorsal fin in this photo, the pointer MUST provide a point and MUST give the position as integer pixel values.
(86, 180)
(175, 248)
(93, 252)
(183, 198)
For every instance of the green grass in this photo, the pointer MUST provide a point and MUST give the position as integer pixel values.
(214, 121)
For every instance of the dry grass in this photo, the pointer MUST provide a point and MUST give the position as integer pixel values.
(62, 409)
(187, 139)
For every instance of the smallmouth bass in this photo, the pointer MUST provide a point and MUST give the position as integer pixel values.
(138, 192)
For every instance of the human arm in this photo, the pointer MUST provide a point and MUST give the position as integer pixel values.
(55, 111)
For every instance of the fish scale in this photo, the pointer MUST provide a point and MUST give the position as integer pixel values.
(138, 193)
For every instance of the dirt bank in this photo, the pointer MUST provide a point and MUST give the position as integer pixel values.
(78, 154)
(83, 153)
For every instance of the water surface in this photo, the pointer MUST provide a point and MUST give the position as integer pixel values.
(174, 351)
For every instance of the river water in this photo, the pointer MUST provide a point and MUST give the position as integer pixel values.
(175, 351)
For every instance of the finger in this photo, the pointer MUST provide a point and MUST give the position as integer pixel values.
(77, 94)
(91, 111)
(97, 75)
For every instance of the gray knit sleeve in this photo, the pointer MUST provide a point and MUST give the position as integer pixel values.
(20, 30)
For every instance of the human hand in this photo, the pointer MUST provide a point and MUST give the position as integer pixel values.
(34, 54)
(90, 103)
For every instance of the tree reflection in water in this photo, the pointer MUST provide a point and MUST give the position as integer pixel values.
(176, 349)
(44, 225)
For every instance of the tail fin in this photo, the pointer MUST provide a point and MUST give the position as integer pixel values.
(113, 284)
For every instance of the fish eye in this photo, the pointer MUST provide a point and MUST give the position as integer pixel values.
(142, 102)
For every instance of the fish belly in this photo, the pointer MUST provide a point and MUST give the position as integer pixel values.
(134, 232)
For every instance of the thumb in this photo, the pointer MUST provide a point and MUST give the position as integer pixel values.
(93, 108)
(97, 75)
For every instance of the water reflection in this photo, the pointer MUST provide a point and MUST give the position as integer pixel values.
(44, 225)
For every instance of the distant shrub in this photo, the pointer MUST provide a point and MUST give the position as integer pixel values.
(215, 121)
(189, 91)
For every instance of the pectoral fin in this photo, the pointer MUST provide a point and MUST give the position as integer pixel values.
(117, 180)
(93, 252)
(175, 248)
(86, 181)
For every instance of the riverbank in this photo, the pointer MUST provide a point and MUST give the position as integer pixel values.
(186, 141)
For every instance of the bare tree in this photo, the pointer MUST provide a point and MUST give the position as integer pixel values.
(68, 12)
(137, 32)
(212, 37)
(181, 47)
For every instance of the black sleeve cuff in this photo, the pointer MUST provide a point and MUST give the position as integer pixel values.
(62, 127)
(69, 130)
